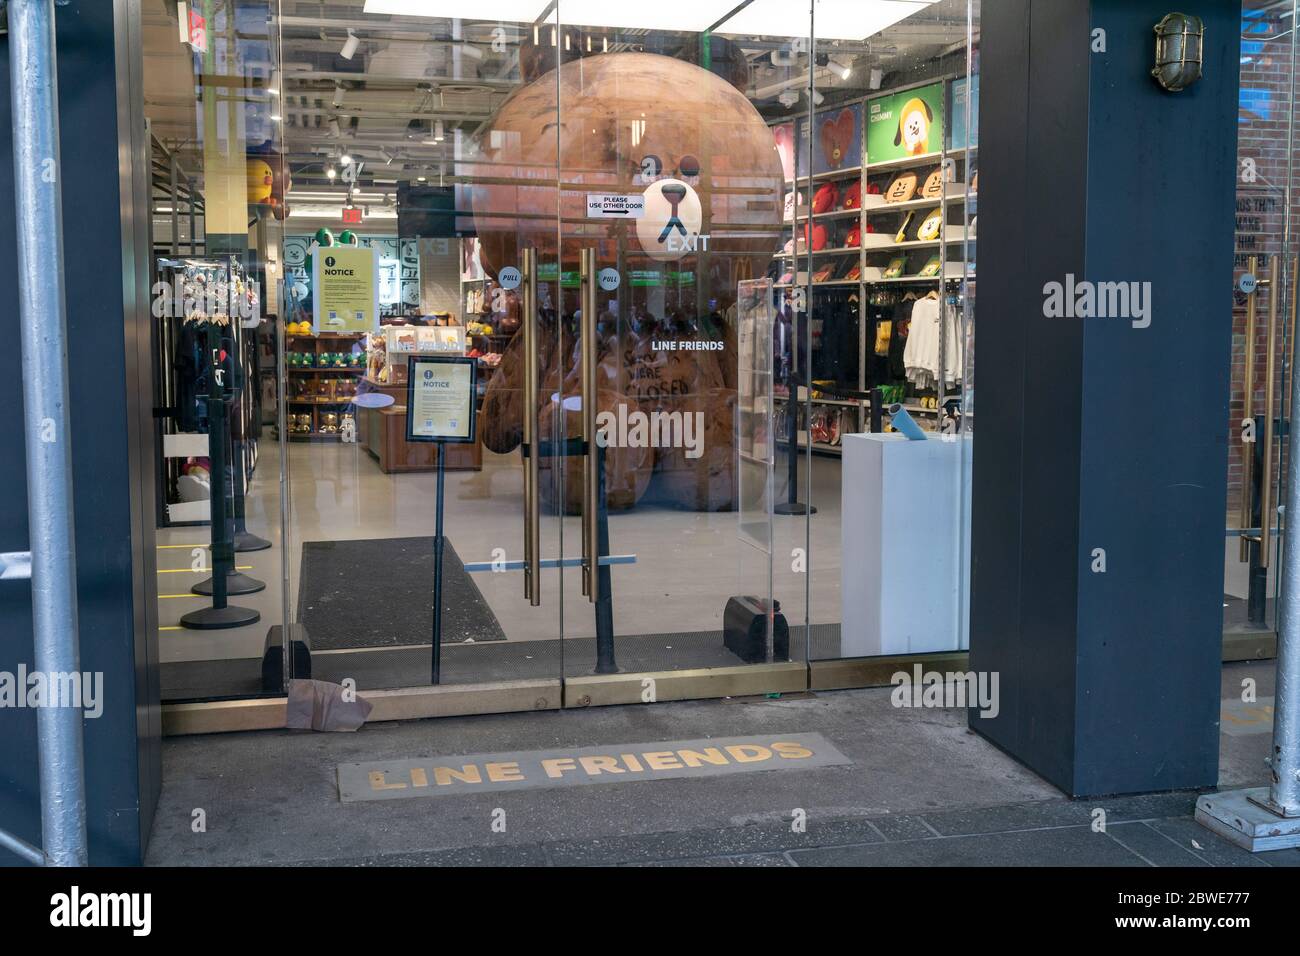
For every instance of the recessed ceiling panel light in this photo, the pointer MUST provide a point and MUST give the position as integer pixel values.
(511, 11)
(832, 19)
(835, 19)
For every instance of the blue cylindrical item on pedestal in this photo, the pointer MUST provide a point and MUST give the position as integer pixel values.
(905, 423)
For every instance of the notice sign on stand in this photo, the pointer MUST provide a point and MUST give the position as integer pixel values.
(440, 398)
(345, 289)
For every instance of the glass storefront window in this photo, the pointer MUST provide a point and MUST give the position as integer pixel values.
(720, 192)
(219, 183)
(694, 178)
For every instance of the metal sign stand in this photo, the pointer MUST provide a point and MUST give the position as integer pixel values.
(437, 571)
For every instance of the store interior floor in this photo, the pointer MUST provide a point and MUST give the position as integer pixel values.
(668, 605)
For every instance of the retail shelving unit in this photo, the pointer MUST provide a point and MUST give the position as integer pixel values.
(873, 217)
(313, 391)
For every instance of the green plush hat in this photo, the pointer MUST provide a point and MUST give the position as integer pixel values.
(348, 238)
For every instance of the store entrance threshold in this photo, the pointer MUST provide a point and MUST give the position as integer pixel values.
(640, 681)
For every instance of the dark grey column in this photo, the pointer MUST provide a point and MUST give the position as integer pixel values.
(1093, 433)
(105, 180)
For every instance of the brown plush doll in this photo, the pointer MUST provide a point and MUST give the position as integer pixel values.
(704, 163)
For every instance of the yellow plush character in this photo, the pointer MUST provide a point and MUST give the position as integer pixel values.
(914, 122)
(260, 181)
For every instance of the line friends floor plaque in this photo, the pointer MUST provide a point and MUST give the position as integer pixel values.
(583, 766)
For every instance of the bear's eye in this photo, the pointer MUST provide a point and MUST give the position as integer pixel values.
(688, 166)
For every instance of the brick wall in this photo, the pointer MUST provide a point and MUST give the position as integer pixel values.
(1261, 205)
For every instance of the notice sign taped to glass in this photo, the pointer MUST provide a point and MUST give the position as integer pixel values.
(345, 289)
(440, 398)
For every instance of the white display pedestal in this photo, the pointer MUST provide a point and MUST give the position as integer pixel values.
(905, 527)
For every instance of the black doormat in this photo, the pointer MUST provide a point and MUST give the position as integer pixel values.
(379, 592)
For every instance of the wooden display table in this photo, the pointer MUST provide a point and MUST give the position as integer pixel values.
(382, 432)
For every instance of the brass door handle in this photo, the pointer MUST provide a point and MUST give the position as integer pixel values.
(532, 515)
(1270, 386)
(590, 457)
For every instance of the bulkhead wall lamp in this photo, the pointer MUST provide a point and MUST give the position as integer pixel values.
(1179, 40)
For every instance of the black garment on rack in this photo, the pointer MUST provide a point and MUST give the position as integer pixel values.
(836, 358)
(186, 366)
(193, 367)
(898, 342)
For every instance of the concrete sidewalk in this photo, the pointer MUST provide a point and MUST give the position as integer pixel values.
(921, 790)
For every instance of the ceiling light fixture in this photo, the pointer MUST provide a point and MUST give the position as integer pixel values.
(346, 159)
(330, 172)
(338, 95)
(844, 70)
(276, 84)
(350, 45)
(334, 127)
(439, 132)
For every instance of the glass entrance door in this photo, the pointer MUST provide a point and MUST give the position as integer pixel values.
(393, 127)
(671, 206)
(1263, 322)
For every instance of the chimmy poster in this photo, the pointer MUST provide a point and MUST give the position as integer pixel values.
(905, 124)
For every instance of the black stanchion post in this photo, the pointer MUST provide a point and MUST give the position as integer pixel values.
(437, 570)
(605, 663)
(245, 540)
(221, 614)
(792, 505)
(231, 481)
(1257, 582)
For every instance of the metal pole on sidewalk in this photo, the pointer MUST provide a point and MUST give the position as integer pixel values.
(1268, 818)
(39, 213)
(1284, 791)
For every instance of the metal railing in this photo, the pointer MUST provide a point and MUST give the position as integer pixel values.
(33, 79)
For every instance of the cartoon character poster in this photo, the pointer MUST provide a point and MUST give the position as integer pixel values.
(836, 140)
(905, 124)
(839, 139)
(783, 133)
(959, 123)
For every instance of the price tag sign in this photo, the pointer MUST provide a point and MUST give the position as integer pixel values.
(441, 394)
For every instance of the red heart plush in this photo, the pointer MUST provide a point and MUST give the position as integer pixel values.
(825, 197)
(837, 138)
